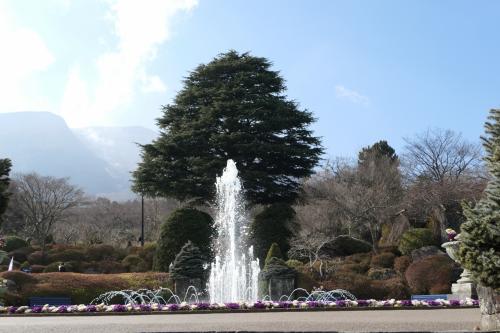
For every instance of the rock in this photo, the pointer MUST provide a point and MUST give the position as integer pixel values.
(381, 273)
(426, 251)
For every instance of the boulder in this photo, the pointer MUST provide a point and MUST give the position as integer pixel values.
(425, 252)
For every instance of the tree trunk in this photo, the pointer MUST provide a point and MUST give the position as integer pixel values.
(489, 301)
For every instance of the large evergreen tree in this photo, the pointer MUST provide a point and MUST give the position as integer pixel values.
(480, 234)
(5, 166)
(231, 108)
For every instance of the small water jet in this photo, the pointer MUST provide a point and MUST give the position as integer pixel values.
(234, 273)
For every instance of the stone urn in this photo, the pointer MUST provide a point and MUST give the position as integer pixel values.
(464, 287)
(452, 251)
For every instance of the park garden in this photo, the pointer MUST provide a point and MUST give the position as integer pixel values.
(371, 225)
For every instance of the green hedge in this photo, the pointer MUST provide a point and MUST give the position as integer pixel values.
(414, 239)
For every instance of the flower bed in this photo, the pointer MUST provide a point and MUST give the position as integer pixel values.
(242, 306)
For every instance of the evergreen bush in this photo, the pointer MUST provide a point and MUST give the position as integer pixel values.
(13, 243)
(183, 225)
(383, 260)
(274, 252)
(273, 225)
(188, 263)
(480, 236)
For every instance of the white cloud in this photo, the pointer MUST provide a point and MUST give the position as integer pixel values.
(140, 27)
(353, 96)
(23, 55)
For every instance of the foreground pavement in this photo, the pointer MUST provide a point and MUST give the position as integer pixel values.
(353, 321)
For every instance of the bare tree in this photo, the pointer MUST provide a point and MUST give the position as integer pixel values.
(441, 170)
(440, 155)
(45, 202)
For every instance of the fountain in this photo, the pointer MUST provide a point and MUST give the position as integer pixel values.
(234, 273)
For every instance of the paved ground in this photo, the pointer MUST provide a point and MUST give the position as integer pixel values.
(360, 321)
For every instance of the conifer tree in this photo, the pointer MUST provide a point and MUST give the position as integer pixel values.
(188, 263)
(234, 107)
(480, 234)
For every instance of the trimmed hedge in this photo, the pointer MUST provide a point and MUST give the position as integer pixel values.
(383, 260)
(81, 288)
(432, 274)
(13, 243)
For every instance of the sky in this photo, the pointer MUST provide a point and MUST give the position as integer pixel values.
(368, 70)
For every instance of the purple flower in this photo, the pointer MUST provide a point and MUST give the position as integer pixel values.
(259, 305)
(313, 304)
(119, 308)
(285, 305)
(91, 308)
(12, 309)
(406, 302)
(362, 302)
(454, 302)
(341, 303)
(145, 307)
(233, 306)
(203, 306)
(62, 309)
(173, 307)
(36, 309)
(475, 302)
(433, 303)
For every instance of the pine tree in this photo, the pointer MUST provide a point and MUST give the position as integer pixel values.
(188, 263)
(231, 108)
(480, 234)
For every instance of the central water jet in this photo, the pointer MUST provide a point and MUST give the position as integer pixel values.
(234, 273)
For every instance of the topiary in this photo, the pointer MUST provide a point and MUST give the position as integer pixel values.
(426, 275)
(480, 237)
(188, 263)
(274, 252)
(37, 258)
(101, 252)
(183, 225)
(414, 239)
(295, 264)
(134, 263)
(273, 225)
(67, 255)
(383, 260)
(13, 243)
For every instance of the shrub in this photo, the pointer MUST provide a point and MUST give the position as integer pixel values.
(401, 264)
(21, 254)
(273, 225)
(381, 273)
(13, 243)
(352, 268)
(383, 260)
(81, 288)
(183, 225)
(346, 246)
(414, 239)
(304, 281)
(274, 252)
(67, 255)
(363, 259)
(294, 263)
(37, 268)
(102, 252)
(37, 258)
(430, 274)
(133, 263)
(71, 266)
(20, 278)
(109, 267)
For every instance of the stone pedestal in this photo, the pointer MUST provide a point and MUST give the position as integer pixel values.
(461, 291)
(278, 287)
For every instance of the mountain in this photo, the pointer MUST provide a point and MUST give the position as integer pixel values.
(118, 146)
(99, 160)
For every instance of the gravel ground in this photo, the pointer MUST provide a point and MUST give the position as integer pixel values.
(353, 321)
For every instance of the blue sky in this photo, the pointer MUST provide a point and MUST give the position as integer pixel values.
(368, 70)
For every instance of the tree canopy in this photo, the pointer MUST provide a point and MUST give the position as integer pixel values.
(231, 108)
